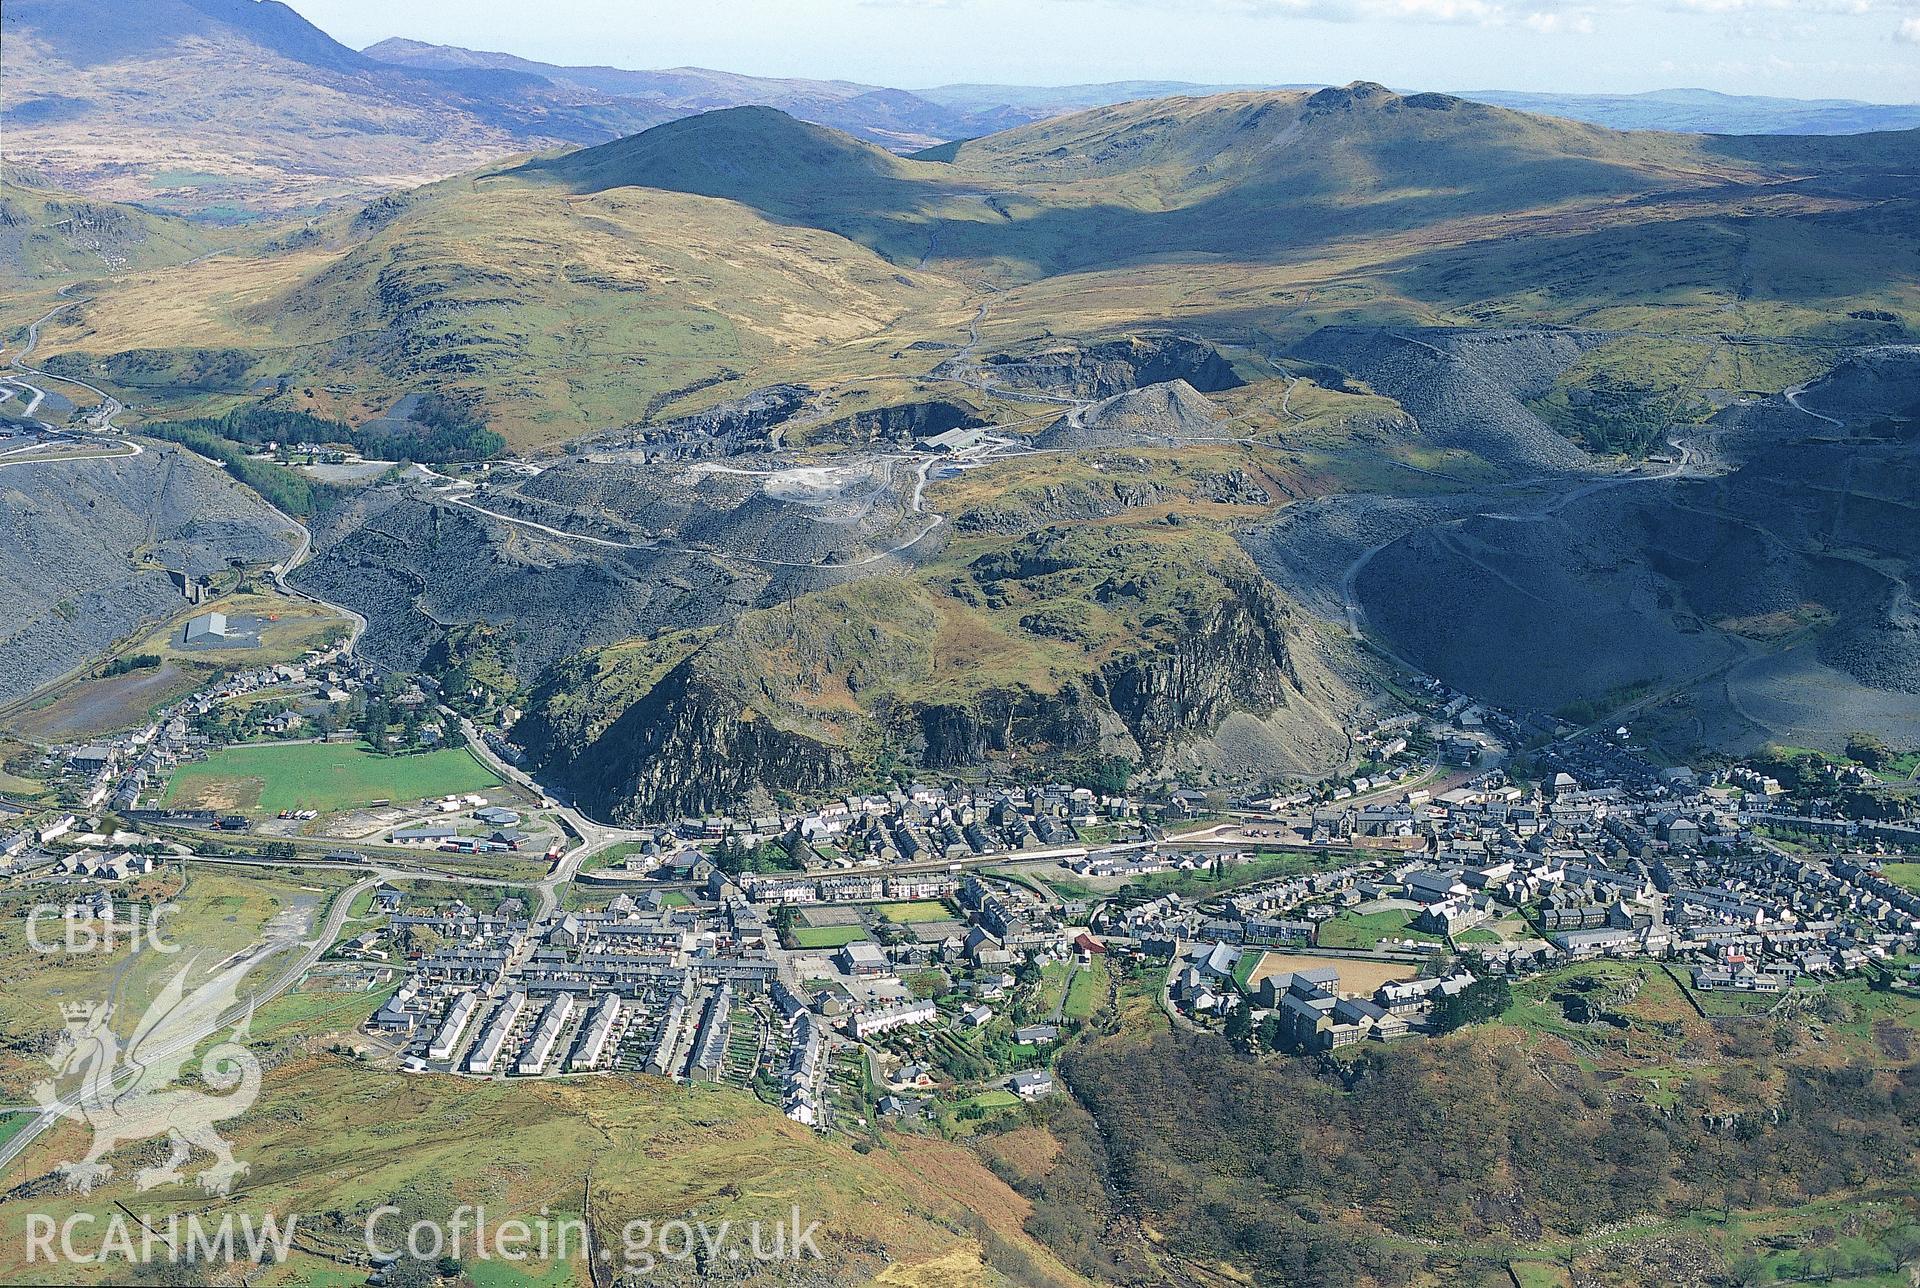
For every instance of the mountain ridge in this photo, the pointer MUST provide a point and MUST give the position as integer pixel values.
(231, 109)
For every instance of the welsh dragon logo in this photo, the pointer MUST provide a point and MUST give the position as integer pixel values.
(130, 1094)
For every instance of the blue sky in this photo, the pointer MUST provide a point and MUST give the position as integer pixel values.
(1868, 49)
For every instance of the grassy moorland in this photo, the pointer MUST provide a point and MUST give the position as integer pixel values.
(568, 314)
(41, 237)
(601, 286)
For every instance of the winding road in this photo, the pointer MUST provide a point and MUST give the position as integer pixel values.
(17, 376)
(1793, 396)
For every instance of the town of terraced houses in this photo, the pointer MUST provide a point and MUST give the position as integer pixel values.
(926, 950)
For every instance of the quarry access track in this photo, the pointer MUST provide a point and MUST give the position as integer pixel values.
(1355, 614)
(459, 492)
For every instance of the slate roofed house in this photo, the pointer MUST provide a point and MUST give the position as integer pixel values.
(1220, 960)
(1434, 885)
(1031, 1084)
(986, 949)
(1271, 990)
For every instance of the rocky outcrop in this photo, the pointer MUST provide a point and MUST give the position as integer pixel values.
(1104, 369)
(1234, 656)
(954, 735)
(689, 746)
(899, 424)
(731, 428)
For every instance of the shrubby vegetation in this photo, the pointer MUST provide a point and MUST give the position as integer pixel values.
(1622, 417)
(1107, 775)
(282, 487)
(438, 430)
(1869, 749)
(1307, 1172)
(733, 858)
(1482, 1000)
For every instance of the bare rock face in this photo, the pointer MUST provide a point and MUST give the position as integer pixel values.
(1106, 368)
(1234, 657)
(691, 747)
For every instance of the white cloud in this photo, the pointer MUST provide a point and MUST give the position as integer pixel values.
(1845, 8)
(1908, 32)
(1545, 16)
(1579, 24)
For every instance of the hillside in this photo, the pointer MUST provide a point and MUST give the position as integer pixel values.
(1267, 177)
(1362, 293)
(904, 209)
(1137, 641)
(1647, 1145)
(215, 105)
(554, 316)
(758, 156)
(1186, 150)
(85, 546)
(47, 236)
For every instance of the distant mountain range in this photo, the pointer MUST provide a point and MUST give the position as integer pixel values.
(890, 117)
(1686, 111)
(211, 105)
(1702, 111)
(242, 106)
